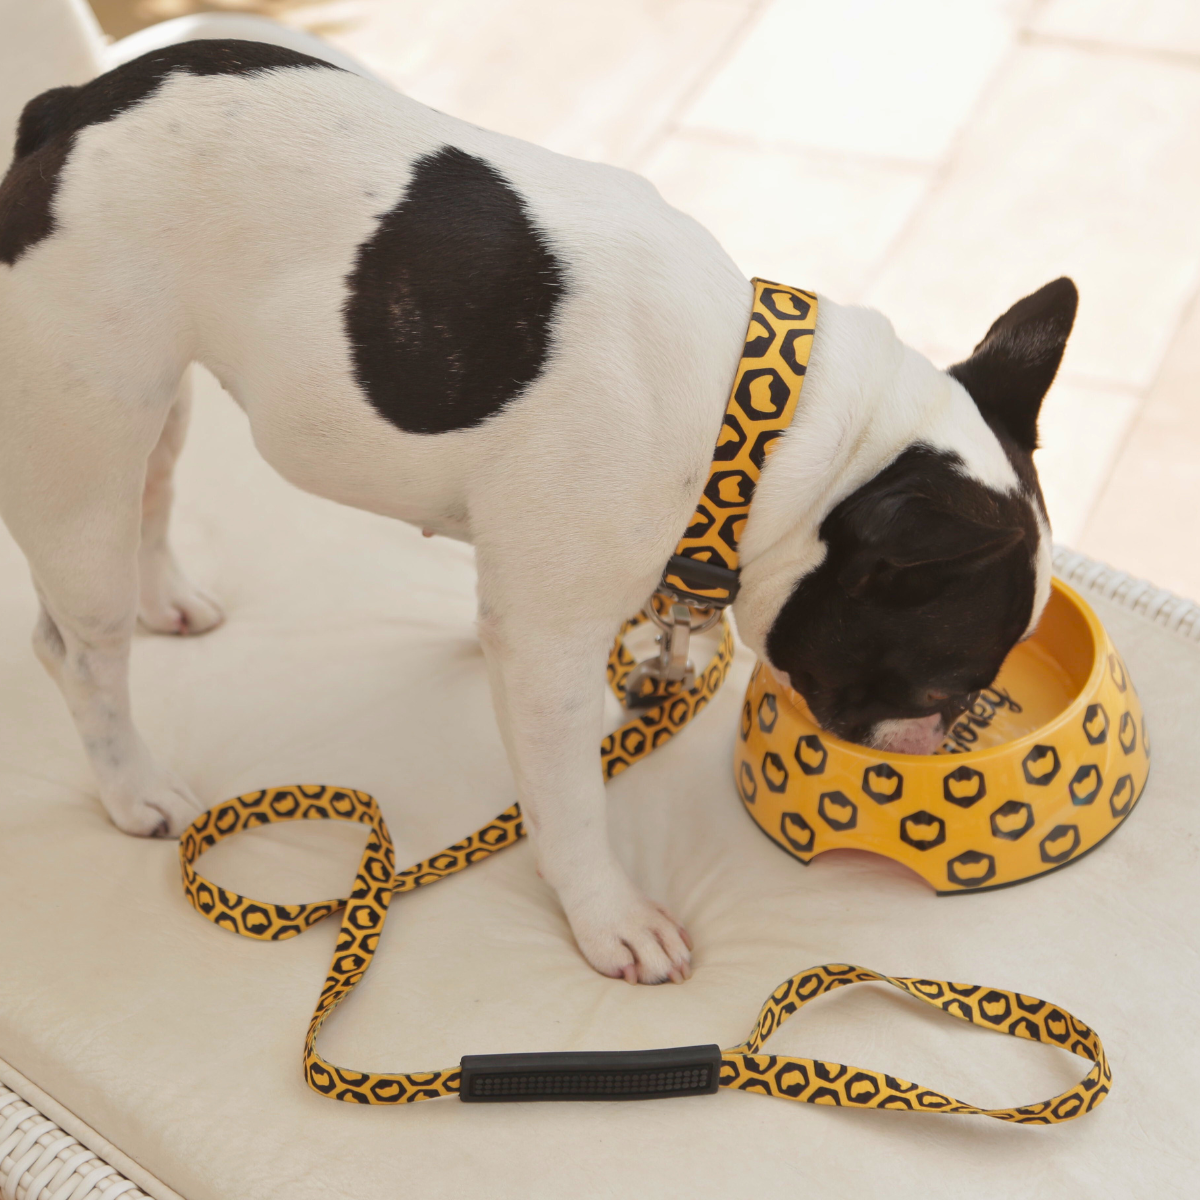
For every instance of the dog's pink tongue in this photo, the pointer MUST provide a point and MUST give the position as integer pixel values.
(919, 735)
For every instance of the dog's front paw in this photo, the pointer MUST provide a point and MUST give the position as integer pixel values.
(625, 935)
(169, 603)
(155, 804)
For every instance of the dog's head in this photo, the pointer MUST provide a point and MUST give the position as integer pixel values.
(930, 575)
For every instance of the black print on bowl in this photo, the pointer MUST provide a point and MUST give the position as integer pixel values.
(811, 754)
(1121, 800)
(797, 832)
(1127, 733)
(963, 786)
(746, 721)
(922, 830)
(1041, 765)
(971, 868)
(1117, 671)
(1012, 820)
(768, 713)
(774, 773)
(1060, 843)
(883, 783)
(1095, 724)
(1085, 784)
(747, 784)
(838, 811)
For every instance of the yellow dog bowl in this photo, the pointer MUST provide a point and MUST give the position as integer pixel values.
(1048, 762)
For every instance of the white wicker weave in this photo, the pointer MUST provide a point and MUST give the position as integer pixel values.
(1154, 603)
(38, 1161)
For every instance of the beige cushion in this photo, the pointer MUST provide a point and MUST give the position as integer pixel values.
(349, 657)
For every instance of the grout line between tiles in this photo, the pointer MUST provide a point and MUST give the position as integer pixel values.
(1175, 58)
(1139, 414)
(942, 170)
(670, 123)
(816, 154)
(1098, 383)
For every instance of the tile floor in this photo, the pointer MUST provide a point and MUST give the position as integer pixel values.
(936, 159)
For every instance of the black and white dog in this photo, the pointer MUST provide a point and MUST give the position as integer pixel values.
(498, 344)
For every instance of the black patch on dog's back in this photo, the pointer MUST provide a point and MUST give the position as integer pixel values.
(48, 125)
(452, 299)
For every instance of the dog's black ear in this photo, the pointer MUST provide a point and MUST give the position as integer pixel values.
(1011, 370)
(899, 532)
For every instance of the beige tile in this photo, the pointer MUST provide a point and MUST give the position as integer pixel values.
(817, 222)
(1147, 520)
(1170, 25)
(1078, 164)
(1081, 430)
(597, 80)
(871, 77)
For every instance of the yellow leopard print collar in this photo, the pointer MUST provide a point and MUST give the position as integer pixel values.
(762, 403)
(704, 572)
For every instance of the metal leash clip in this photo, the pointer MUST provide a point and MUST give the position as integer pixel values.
(671, 671)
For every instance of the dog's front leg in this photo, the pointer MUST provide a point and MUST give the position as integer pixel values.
(547, 685)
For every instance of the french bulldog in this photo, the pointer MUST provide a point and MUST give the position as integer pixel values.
(495, 343)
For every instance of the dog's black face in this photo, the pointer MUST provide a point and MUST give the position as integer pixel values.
(930, 576)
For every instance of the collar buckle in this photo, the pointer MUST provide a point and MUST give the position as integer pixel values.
(699, 583)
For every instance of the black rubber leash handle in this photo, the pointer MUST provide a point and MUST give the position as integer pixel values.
(591, 1075)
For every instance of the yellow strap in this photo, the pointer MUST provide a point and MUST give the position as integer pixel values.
(762, 403)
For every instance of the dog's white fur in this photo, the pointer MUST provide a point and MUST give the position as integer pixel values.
(217, 221)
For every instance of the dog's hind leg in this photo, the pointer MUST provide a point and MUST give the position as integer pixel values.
(75, 439)
(167, 601)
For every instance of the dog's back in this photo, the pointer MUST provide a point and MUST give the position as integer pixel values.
(317, 241)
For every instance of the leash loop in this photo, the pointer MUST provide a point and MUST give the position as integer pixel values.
(813, 1081)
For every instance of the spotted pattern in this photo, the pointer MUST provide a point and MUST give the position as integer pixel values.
(761, 406)
(813, 1081)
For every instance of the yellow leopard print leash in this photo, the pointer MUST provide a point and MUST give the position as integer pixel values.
(703, 572)
(684, 1071)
